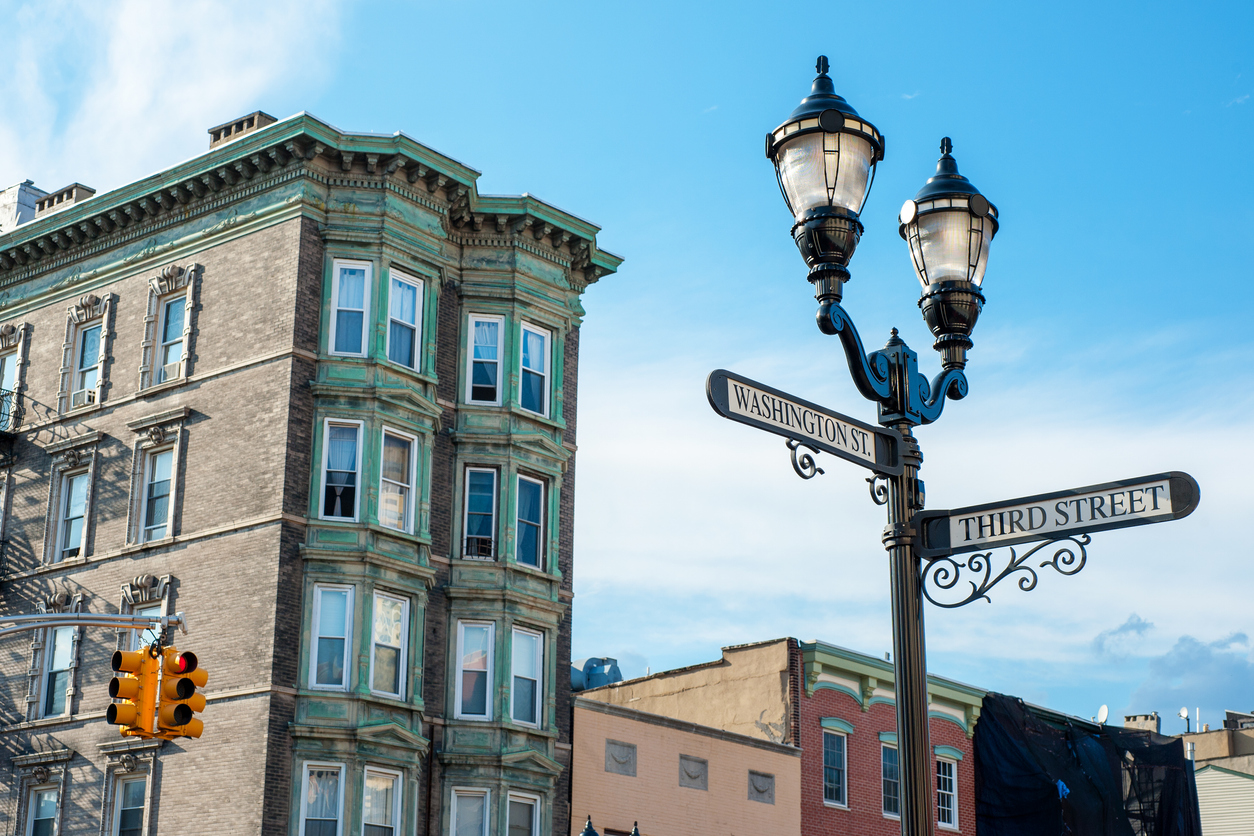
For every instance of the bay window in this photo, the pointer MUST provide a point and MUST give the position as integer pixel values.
(534, 396)
(483, 379)
(350, 300)
(530, 521)
(404, 318)
(332, 635)
(341, 462)
(474, 670)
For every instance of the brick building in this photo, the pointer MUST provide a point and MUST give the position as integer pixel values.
(314, 390)
(837, 707)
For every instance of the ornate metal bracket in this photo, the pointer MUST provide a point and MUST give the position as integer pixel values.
(945, 572)
(871, 373)
(879, 492)
(805, 466)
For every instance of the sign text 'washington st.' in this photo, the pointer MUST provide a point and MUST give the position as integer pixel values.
(761, 406)
(1148, 499)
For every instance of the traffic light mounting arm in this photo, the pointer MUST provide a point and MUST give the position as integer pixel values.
(20, 623)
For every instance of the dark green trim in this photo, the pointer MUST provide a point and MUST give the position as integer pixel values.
(837, 724)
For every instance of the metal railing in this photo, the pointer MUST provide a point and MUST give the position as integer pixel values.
(478, 548)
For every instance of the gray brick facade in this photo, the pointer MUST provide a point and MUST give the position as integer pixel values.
(252, 233)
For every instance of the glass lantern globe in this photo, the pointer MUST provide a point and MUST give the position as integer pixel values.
(949, 226)
(824, 156)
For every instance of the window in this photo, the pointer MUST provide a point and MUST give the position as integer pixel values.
(528, 661)
(834, 790)
(474, 670)
(157, 494)
(8, 389)
(145, 637)
(524, 815)
(350, 297)
(73, 513)
(404, 314)
(534, 396)
(470, 813)
(947, 793)
(170, 350)
(130, 813)
(892, 781)
(391, 634)
(530, 525)
(43, 812)
(341, 462)
(381, 804)
(322, 799)
(396, 480)
(59, 653)
(480, 512)
(86, 366)
(333, 613)
(485, 360)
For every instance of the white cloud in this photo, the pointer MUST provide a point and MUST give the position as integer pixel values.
(105, 93)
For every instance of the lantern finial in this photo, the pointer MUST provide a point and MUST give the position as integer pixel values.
(821, 66)
(947, 145)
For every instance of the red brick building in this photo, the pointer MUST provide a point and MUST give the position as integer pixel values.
(837, 706)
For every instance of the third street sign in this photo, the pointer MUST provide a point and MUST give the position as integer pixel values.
(758, 405)
(1048, 516)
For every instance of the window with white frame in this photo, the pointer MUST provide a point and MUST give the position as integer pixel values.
(534, 396)
(947, 793)
(86, 370)
(350, 300)
(834, 774)
(143, 638)
(530, 522)
(341, 464)
(322, 800)
(391, 636)
(483, 379)
(474, 670)
(396, 481)
(527, 658)
(381, 803)
(8, 389)
(43, 811)
(73, 515)
(404, 320)
(129, 816)
(170, 346)
(480, 522)
(470, 812)
(332, 634)
(891, 781)
(524, 815)
(59, 657)
(158, 477)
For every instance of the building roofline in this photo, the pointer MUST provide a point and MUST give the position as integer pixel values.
(1226, 770)
(683, 725)
(885, 668)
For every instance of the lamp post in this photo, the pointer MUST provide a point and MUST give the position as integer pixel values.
(825, 156)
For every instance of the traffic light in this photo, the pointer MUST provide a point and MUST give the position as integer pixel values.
(178, 700)
(137, 687)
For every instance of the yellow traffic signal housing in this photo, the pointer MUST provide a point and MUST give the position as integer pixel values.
(137, 688)
(178, 700)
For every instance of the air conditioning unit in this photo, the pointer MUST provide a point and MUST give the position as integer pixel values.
(83, 397)
(170, 371)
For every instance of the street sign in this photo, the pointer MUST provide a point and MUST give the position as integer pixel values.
(761, 406)
(1048, 516)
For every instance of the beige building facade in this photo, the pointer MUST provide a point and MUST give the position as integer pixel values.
(672, 777)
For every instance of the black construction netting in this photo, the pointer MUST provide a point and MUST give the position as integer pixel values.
(1037, 775)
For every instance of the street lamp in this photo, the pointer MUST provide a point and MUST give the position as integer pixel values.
(825, 156)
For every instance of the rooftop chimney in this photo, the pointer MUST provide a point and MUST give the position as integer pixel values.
(17, 205)
(1148, 722)
(233, 130)
(61, 198)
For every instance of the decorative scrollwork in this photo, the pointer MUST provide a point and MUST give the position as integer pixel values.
(805, 466)
(945, 572)
(879, 492)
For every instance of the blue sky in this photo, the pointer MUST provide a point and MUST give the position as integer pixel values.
(1114, 138)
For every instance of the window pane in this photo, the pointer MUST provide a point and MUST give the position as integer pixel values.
(158, 500)
(530, 495)
(404, 304)
(130, 822)
(526, 651)
(891, 803)
(89, 347)
(54, 700)
(352, 288)
(348, 332)
(330, 669)
(146, 637)
(377, 805)
(945, 792)
(172, 327)
(485, 340)
(468, 811)
(76, 495)
(387, 670)
(480, 499)
(131, 808)
(396, 458)
(524, 700)
(332, 633)
(332, 612)
(322, 799)
(401, 344)
(833, 768)
(532, 391)
(133, 794)
(520, 815)
(341, 478)
(474, 663)
(43, 812)
(534, 353)
(62, 647)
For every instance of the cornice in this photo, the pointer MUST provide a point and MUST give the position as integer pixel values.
(303, 146)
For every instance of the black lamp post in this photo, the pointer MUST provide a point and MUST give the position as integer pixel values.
(825, 156)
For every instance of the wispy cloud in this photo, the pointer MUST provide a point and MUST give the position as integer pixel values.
(710, 109)
(155, 77)
(1121, 640)
(1239, 100)
(910, 95)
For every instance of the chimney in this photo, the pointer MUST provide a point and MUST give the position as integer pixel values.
(1148, 722)
(61, 198)
(17, 205)
(234, 129)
